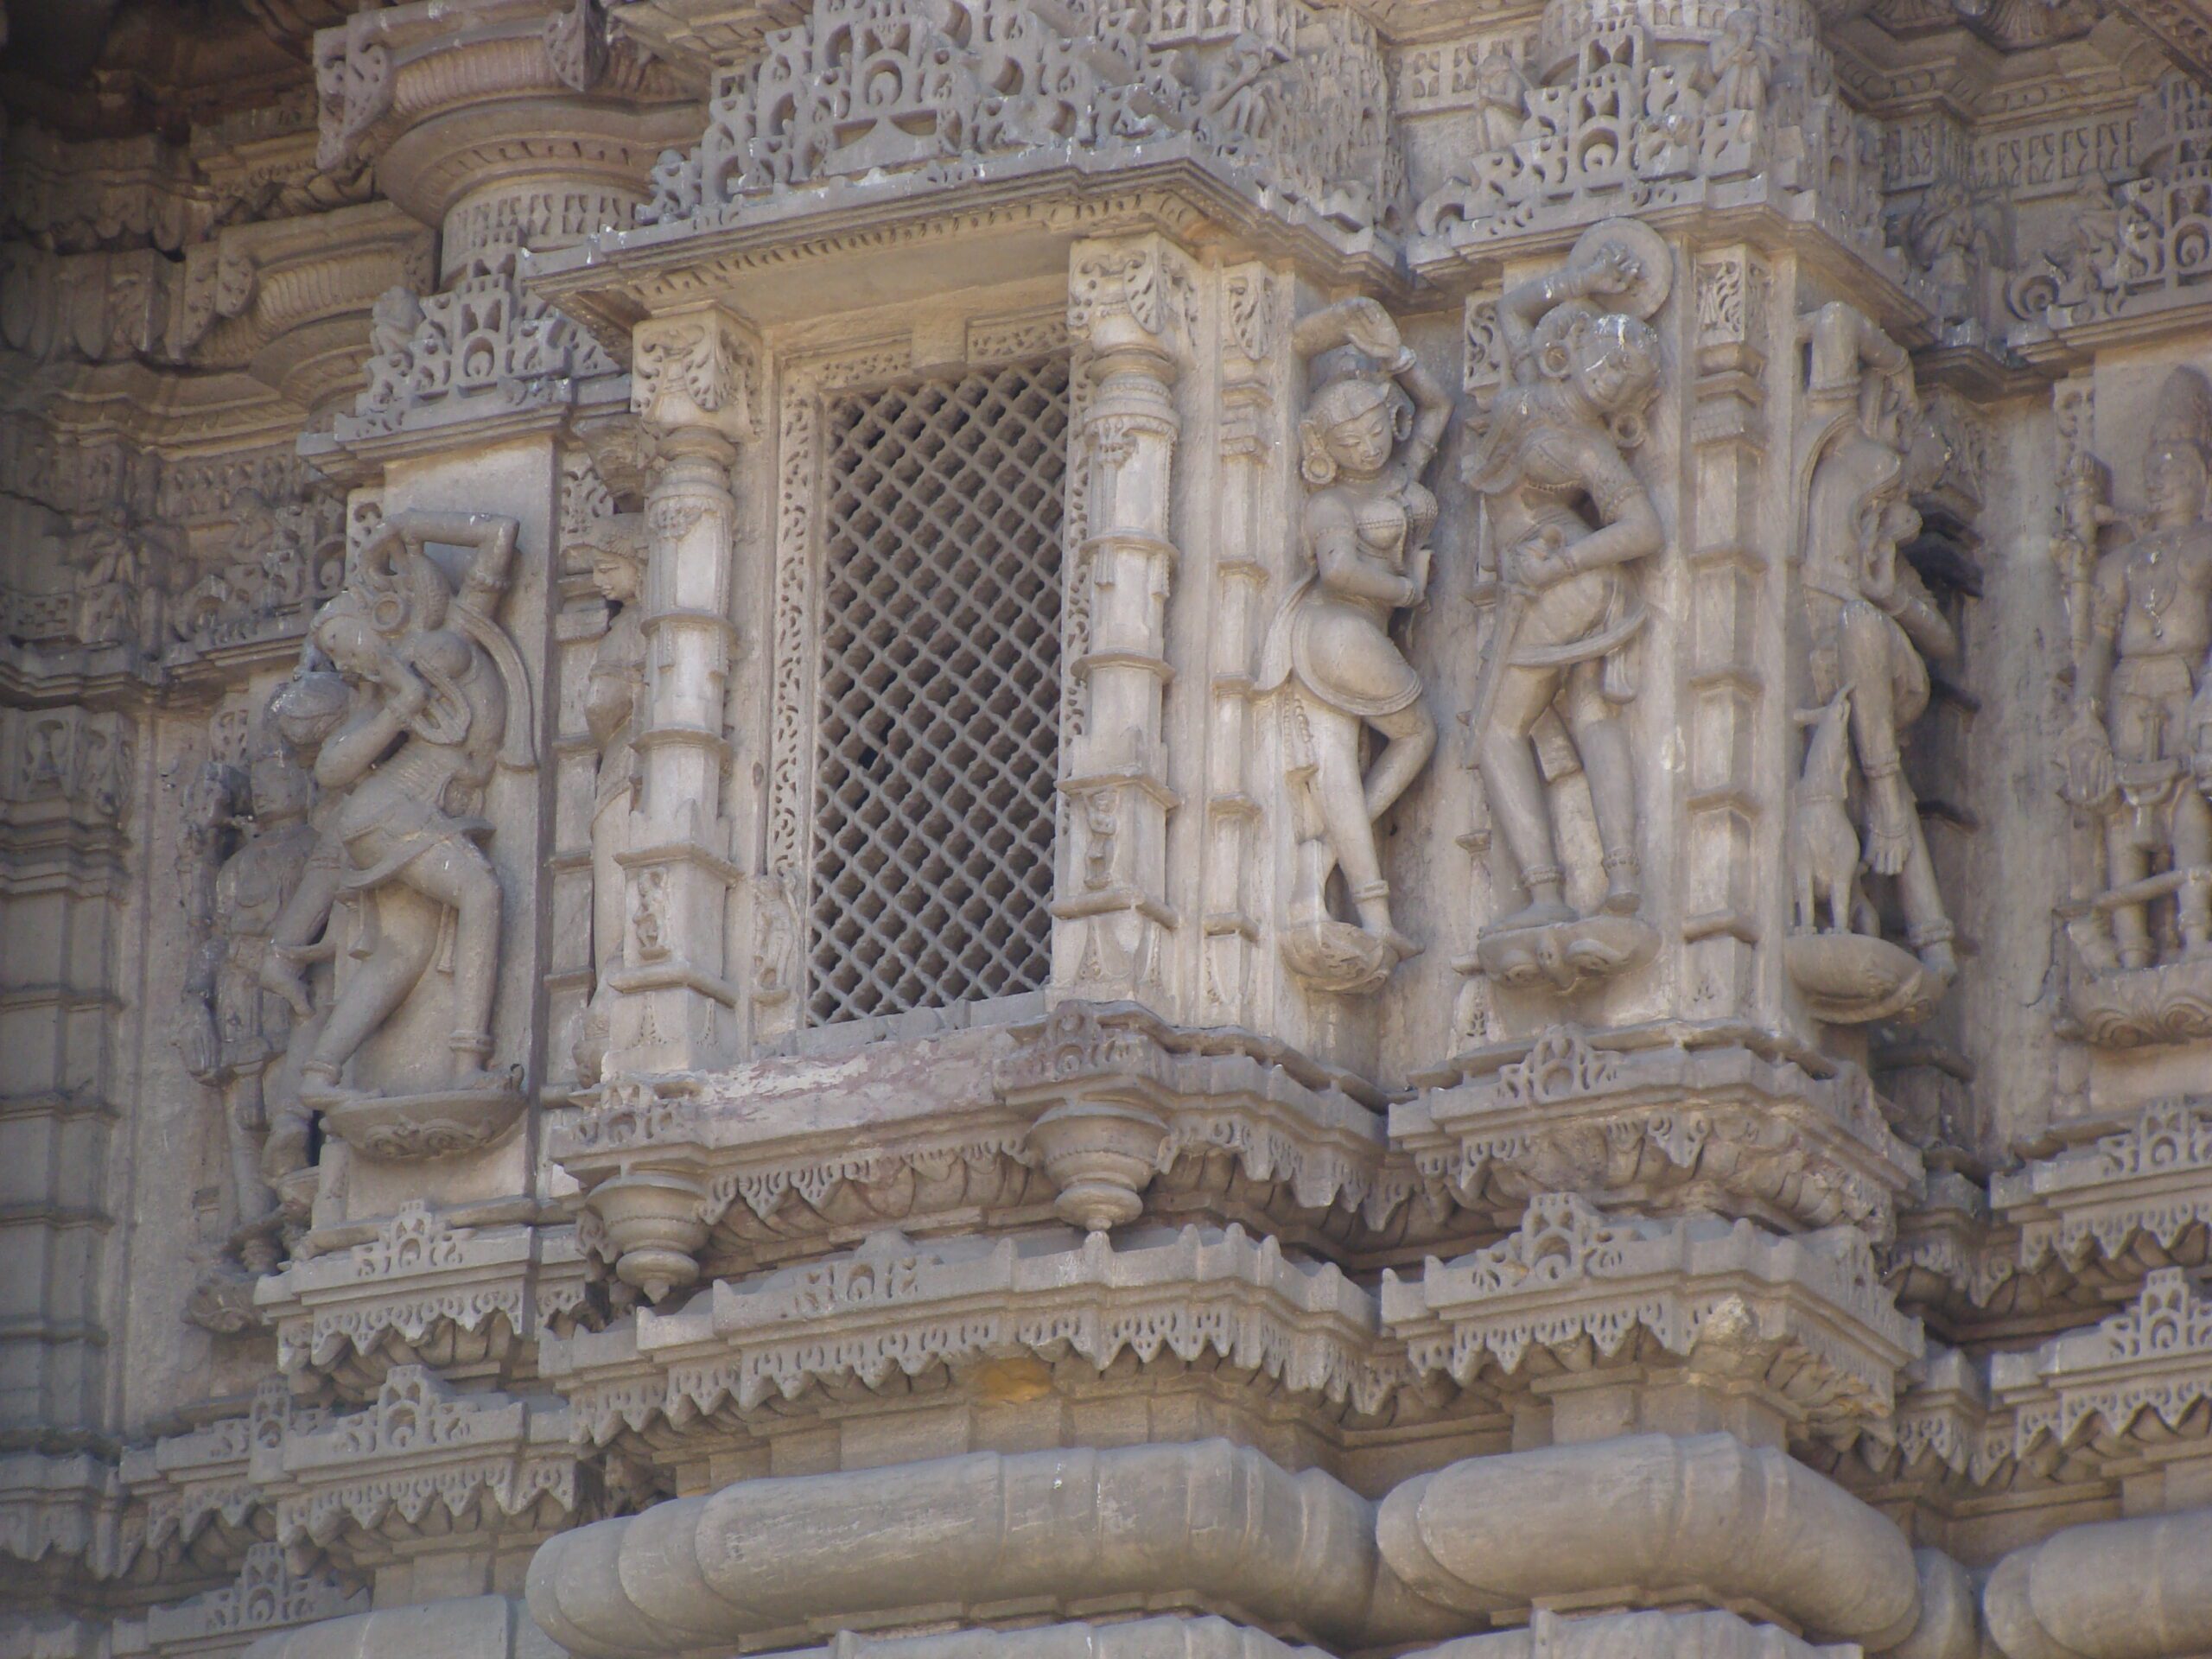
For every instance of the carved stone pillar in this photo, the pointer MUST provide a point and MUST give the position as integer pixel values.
(1252, 336)
(693, 385)
(1721, 693)
(1129, 302)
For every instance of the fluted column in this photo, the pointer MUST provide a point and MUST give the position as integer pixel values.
(1128, 303)
(693, 385)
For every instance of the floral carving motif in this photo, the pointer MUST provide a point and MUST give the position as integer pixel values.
(1294, 94)
(482, 346)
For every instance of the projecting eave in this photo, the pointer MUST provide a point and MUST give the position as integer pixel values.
(852, 244)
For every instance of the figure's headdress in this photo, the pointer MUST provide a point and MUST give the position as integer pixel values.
(1347, 382)
(2184, 415)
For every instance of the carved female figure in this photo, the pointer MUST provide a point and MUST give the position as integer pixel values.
(439, 686)
(1566, 517)
(1369, 434)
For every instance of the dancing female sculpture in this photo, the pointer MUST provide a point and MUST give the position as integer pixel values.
(1567, 516)
(1371, 430)
(442, 697)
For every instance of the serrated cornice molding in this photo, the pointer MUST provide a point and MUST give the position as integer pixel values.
(2151, 1361)
(216, 1475)
(1710, 1127)
(61, 1505)
(894, 1307)
(268, 1595)
(2151, 1180)
(366, 1479)
(1948, 1253)
(1807, 1316)
(421, 1288)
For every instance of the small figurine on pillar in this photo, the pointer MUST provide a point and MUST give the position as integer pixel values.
(441, 698)
(1865, 450)
(2139, 752)
(1371, 430)
(1562, 518)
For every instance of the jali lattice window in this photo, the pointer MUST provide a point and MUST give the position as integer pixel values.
(938, 735)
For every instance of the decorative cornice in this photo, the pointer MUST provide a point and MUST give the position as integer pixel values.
(268, 1595)
(2151, 1181)
(360, 1482)
(1806, 1318)
(424, 1289)
(2151, 1361)
(895, 1308)
(1717, 1127)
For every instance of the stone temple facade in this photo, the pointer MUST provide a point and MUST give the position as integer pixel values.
(1106, 829)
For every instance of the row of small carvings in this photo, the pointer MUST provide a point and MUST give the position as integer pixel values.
(1805, 1319)
(1571, 1290)
(1763, 1137)
(2082, 1228)
(340, 1486)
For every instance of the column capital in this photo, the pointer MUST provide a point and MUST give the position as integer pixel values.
(696, 370)
(1132, 293)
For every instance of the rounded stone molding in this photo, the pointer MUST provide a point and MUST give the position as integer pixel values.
(652, 1223)
(1101, 1154)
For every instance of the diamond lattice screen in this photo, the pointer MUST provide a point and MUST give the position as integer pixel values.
(939, 727)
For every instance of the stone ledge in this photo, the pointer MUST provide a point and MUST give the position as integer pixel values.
(1670, 1128)
(425, 1290)
(895, 1307)
(1804, 1321)
(791, 1155)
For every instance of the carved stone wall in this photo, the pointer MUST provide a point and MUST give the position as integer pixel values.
(1232, 829)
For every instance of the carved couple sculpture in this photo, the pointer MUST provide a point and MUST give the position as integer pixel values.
(2139, 752)
(1566, 515)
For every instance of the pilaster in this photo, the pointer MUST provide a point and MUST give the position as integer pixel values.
(1130, 306)
(694, 385)
(1725, 861)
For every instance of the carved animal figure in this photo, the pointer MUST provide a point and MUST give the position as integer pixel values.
(1824, 841)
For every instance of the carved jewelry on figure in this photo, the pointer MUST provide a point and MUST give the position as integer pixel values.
(1562, 518)
(2139, 752)
(441, 698)
(1872, 626)
(1370, 432)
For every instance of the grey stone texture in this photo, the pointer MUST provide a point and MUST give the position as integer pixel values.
(999, 830)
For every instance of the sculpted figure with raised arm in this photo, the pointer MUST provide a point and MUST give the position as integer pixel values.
(440, 699)
(1563, 519)
(1371, 429)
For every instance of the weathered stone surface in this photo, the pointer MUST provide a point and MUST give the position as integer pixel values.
(1135, 830)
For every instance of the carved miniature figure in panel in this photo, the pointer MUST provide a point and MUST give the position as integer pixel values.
(2139, 752)
(234, 1031)
(614, 702)
(1873, 627)
(441, 698)
(1371, 430)
(1562, 518)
